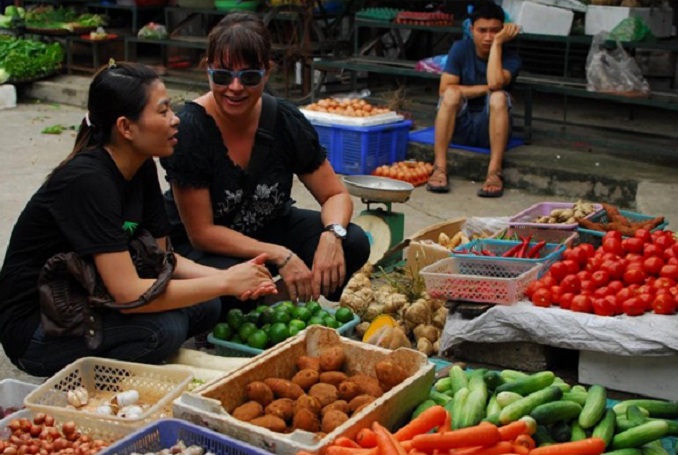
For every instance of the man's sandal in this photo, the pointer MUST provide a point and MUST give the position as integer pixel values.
(438, 182)
(493, 186)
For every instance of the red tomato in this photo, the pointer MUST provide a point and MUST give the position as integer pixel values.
(588, 286)
(614, 268)
(625, 294)
(669, 271)
(663, 282)
(565, 300)
(615, 286)
(584, 275)
(600, 278)
(548, 281)
(610, 257)
(652, 265)
(579, 256)
(633, 307)
(633, 258)
(672, 261)
(587, 248)
(603, 307)
(612, 235)
(647, 300)
(612, 300)
(645, 289)
(613, 245)
(542, 298)
(601, 292)
(532, 287)
(674, 291)
(633, 245)
(594, 264)
(571, 284)
(572, 266)
(582, 304)
(664, 304)
(556, 292)
(634, 276)
(643, 234)
(668, 254)
(558, 270)
(650, 249)
(674, 248)
(664, 241)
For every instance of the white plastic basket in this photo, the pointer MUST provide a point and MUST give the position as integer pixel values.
(479, 280)
(12, 394)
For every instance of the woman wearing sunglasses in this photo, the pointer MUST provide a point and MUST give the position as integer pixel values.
(231, 185)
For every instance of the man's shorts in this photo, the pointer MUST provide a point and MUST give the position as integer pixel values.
(472, 127)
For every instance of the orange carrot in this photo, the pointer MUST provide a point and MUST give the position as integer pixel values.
(499, 448)
(389, 440)
(521, 449)
(416, 452)
(423, 423)
(339, 450)
(366, 438)
(590, 446)
(446, 425)
(512, 430)
(480, 435)
(343, 441)
(525, 440)
(407, 445)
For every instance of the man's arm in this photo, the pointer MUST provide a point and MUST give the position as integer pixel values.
(469, 91)
(497, 76)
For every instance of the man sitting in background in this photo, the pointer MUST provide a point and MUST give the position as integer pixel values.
(475, 104)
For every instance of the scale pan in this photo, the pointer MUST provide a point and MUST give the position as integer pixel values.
(378, 189)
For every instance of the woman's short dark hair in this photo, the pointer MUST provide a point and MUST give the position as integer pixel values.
(487, 10)
(240, 38)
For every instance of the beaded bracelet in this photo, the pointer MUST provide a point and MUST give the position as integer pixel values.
(286, 260)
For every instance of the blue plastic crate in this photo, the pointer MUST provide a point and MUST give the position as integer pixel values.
(230, 349)
(361, 149)
(595, 238)
(163, 434)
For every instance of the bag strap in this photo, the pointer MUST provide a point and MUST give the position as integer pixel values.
(265, 135)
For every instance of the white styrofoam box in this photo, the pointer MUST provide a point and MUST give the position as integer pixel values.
(7, 96)
(605, 18)
(645, 375)
(328, 119)
(544, 20)
(211, 405)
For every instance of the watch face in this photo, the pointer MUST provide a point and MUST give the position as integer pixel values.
(338, 230)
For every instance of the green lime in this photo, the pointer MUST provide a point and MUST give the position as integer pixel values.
(287, 306)
(313, 306)
(252, 317)
(279, 332)
(343, 315)
(258, 339)
(236, 339)
(267, 316)
(246, 329)
(303, 314)
(301, 325)
(261, 308)
(322, 314)
(235, 318)
(294, 331)
(281, 316)
(294, 312)
(222, 331)
(315, 321)
(331, 322)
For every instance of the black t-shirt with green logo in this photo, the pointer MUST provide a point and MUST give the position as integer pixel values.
(87, 207)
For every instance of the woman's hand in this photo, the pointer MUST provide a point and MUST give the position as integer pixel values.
(251, 279)
(298, 279)
(329, 265)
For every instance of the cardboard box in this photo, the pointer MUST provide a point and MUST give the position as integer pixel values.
(423, 248)
(543, 19)
(605, 18)
(211, 406)
(645, 375)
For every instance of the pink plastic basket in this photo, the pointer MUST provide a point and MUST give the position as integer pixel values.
(479, 279)
(527, 217)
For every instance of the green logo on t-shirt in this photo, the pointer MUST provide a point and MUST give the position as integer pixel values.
(129, 227)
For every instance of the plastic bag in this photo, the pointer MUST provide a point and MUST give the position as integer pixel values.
(611, 69)
(435, 64)
(633, 29)
(153, 31)
(484, 226)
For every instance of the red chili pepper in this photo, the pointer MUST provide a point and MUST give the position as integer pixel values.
(523, 248)
(487, 253)
(512, 252)
(534, 251)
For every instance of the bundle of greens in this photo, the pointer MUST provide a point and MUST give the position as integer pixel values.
(26, 60)
(47, 17)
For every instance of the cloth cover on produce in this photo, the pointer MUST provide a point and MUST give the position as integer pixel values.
(650, 334)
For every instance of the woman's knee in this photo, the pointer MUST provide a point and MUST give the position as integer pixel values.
(499, 100)
(452, 98)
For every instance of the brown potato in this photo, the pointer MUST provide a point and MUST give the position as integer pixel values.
(325, 393)
(359, 401)
(271, 422)
(332, 359)
(305, 362)
(283, 408)
(259, 392)
(309, 402)
(306, 378)
(332, 419)
(389, 374)
(307, 420)
(348, 390)
(248, 411)
(368, 385)
(282, 388)
(339, 405)
(333, 377)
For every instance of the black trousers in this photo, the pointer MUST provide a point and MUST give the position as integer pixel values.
(299, 231)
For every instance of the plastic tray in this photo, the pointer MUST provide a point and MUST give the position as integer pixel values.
(526, 217)
(595, 237)
(165, 433)
(549, 254)
(12, 394)
(157, 387)
(474, 279)
(566, 237)
(360, 150)
(329, 119)
(230, 349)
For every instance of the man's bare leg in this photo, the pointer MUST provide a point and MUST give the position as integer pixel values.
(499, 132)
(444, 129)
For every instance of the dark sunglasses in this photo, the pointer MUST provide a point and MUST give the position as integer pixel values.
(248, 78)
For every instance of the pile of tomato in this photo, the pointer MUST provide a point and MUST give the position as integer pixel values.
(625, 275)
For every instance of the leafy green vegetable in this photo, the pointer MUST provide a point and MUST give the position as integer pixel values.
(54, 129)
(27, 59)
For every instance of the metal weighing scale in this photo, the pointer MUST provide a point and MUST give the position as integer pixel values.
(384, 227)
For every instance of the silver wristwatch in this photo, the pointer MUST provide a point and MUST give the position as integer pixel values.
(337, 229)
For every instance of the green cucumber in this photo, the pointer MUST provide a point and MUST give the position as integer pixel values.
(563, 386)
(506, 398)
(577, 397)
(594, 408)
(423, 407)
(525, 405)
(459, 402)
(657, 408)
(629, 451)
(622, 423)
(492, 406)
(439, 398)
(636, 415)
(512, 375)
(458, 377)
(493, 419)
(525, 386)
(542, 437)
(493, 379)
(561, 431)
(605, 428)
(555, 411)
(476, 402)
(578, 432)
(652, 449)
(640, 435)
(578, 388)
(443, 385)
